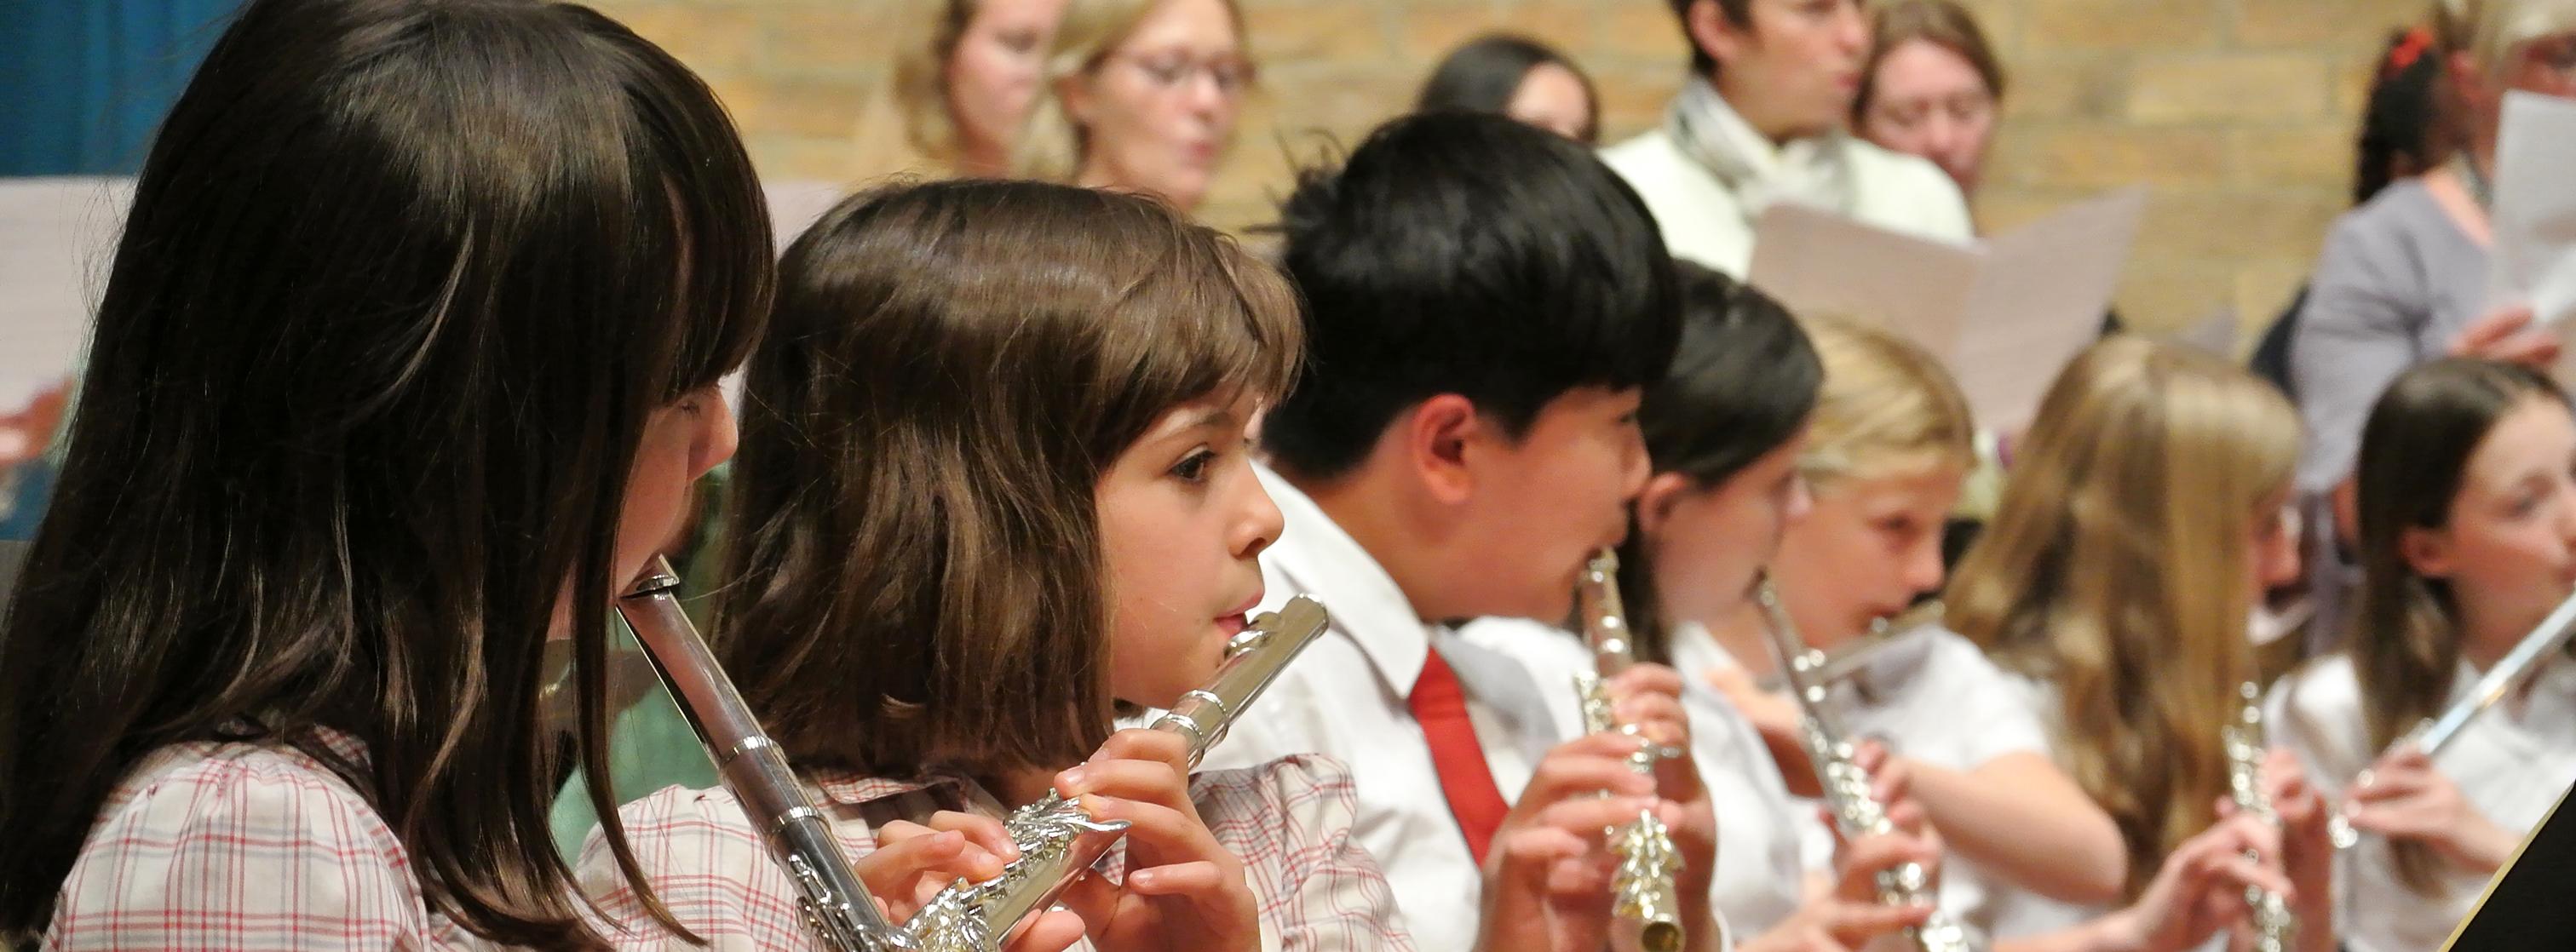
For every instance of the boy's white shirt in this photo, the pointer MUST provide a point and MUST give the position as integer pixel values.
(1345, 697)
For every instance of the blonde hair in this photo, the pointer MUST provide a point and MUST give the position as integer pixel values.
(1887, 406)
(1051, 145)
(928, 32)
(2488, 30)
(2116, 568)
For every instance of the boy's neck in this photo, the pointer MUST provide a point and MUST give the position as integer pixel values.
(1363, 505)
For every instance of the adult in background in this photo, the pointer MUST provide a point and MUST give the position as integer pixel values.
(965, 74)
(2403, 278)
(1139, 96)
(1931, 87)
(1761, 120)
(2402, 136)
(1518, 77)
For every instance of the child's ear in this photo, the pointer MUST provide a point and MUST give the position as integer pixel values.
(1655, 502)
(1437, 434)
(2426, 551)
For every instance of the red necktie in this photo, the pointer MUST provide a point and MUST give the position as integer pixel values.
(1440, 706)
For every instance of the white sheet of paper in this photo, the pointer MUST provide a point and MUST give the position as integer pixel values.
(2533, 260)
(57, 238)
(2004, 315)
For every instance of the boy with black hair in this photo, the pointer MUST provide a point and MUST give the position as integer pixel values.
(1485, 303)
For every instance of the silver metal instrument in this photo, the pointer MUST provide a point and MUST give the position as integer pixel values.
(1846, 787)
(2275, 928)
(1645, 900)
(835, 903)
(1058, 839)
(1850, 659)
(2509, 675)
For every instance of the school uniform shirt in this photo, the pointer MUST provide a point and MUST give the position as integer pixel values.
(2512, 762)
(1288, 820)
(2012, 912)
(224, 845)
(1345, 697)
(1707, 176)
(1759, 868)
(1933, 696)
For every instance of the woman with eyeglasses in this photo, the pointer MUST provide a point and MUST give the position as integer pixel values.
(1140, 96)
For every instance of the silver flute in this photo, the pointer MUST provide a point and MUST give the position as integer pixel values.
(1850, 659)
(2509, 675)
(1644, 897)
(1846, 787)
(2275, 928)
(1058, 839)
(835, 903)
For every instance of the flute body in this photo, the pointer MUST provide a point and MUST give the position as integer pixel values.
(1059, 840)
(836, 905)
(1644, 895)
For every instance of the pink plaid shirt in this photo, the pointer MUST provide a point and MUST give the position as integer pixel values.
(254, 846)
(1289, 820)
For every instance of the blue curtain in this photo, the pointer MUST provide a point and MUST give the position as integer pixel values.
(84, 82)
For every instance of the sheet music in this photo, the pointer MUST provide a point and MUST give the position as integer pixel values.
(2533, 259)
(57, 239)
(2004, 315)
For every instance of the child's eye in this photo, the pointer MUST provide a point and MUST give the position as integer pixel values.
(1193, 467)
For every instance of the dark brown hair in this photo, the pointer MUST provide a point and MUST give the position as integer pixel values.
(402, 283)
(1485, 74)
(1743, 382)
(1738, 12)
(919, 581)
(2415, 448)
(1942, 23)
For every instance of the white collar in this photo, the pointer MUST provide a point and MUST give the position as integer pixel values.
(1813, 171)
(1318, 556)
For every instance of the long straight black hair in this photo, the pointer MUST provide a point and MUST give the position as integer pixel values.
(402, 282)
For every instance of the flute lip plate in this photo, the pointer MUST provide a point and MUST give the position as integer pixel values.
(1294, 617)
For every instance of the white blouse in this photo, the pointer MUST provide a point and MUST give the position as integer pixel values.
(1935, 697)
(2512, 763)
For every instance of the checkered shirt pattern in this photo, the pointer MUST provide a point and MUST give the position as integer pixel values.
(1289, 821)
(245, 846)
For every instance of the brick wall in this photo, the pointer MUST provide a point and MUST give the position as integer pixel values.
(2237, 113)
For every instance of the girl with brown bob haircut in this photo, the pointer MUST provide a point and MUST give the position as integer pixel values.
(994, 487)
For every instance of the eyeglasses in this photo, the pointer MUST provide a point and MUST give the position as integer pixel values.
(1171, 71)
